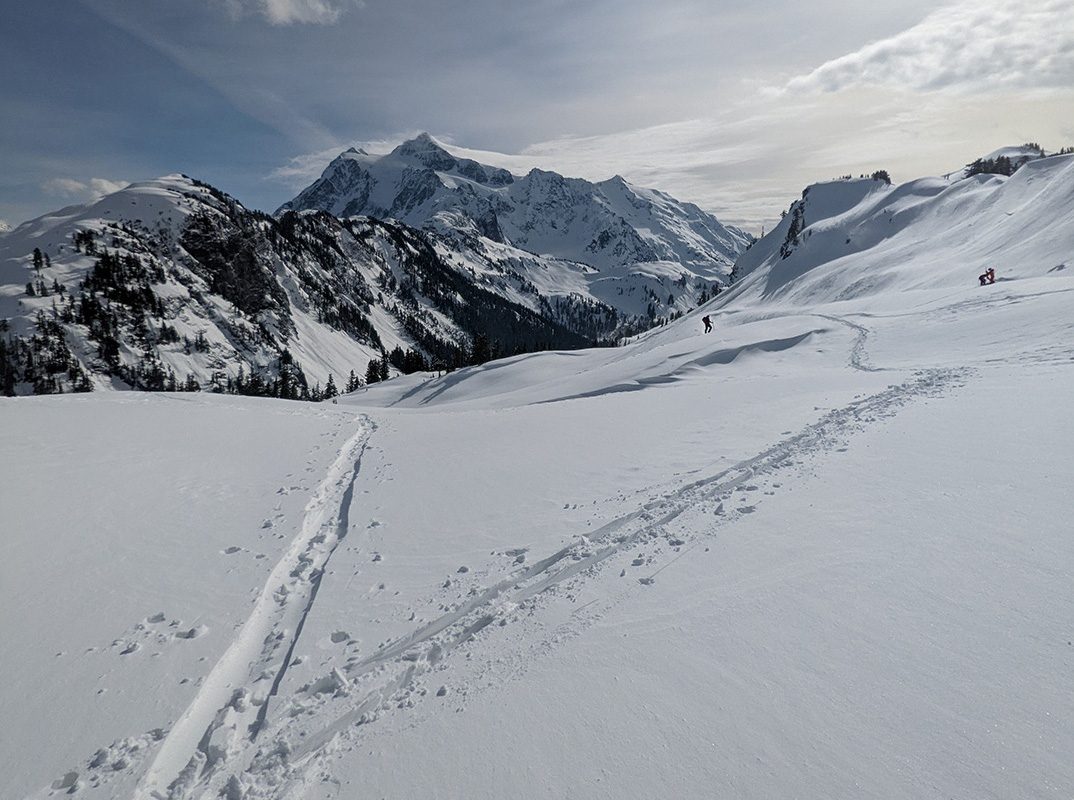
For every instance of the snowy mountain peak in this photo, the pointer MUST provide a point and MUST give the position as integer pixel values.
(636, 251)
(427, 152)
(608, 225)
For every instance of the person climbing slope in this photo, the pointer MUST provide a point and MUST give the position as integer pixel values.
(708, 323)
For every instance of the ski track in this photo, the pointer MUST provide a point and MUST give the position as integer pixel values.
(389, 679)
(242, 740)
(230, 709)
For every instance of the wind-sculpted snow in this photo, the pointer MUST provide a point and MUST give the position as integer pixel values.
(722, 356)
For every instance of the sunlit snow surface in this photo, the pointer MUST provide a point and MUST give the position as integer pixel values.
(824, 551)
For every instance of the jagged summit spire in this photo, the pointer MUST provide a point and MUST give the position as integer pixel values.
(422, 143)
(425, 140)
(427, 151)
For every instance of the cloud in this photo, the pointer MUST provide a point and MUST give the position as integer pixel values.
(965, 47)
(72, 189)
(290, 12)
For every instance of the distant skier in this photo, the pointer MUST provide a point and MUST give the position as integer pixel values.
(708, 323)
(989, 276)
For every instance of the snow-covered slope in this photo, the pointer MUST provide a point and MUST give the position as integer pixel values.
(628, 245)
(171, 283)
(822, 551)
(863, 238)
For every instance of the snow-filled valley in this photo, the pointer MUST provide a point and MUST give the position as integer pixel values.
(823, 551)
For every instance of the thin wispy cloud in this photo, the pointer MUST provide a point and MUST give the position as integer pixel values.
(291, 12)
(71, 189)
(967, 47)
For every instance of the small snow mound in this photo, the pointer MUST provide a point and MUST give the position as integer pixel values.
(334, 683)
(66, 782)
(234, 790)
(192, 633)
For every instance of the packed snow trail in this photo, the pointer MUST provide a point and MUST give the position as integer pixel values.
(230, 709)
(673, 520)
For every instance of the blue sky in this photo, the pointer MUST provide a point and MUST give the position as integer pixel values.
(730, 105)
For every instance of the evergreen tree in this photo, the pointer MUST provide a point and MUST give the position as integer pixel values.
(372, 372)
(353, 382)
(481, 352)
(330, 389)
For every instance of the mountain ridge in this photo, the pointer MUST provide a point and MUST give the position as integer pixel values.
(583, 221)
(174, 284)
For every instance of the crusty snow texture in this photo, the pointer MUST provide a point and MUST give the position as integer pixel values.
(821, 552)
